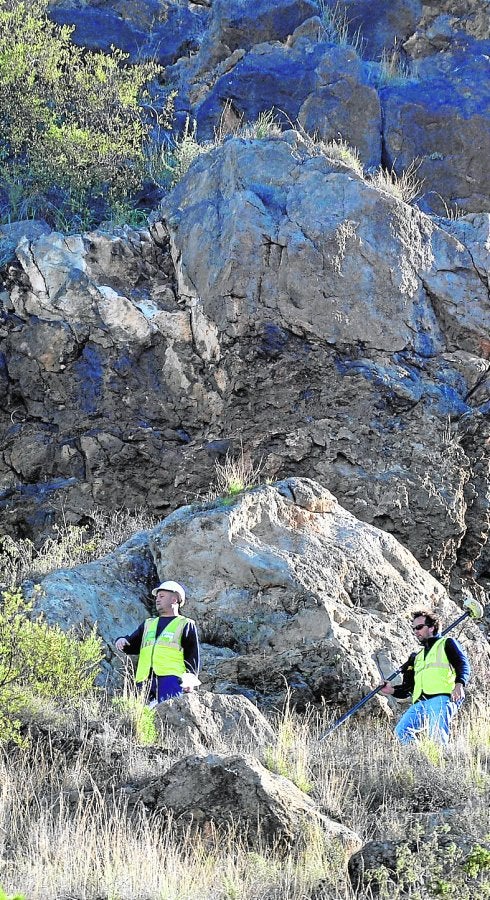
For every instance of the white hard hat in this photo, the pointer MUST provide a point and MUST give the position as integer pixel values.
(173, 586)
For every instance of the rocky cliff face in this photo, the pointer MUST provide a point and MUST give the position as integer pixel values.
(279, 301)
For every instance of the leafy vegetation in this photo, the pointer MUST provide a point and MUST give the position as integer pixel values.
(72, 125)
(40, 660)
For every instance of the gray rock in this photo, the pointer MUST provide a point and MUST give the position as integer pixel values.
(111, 592)
(225, 790)
(301, 592)
(283, 305)
(12, 232)
(441, 120)
(213, 722)
(299, 589)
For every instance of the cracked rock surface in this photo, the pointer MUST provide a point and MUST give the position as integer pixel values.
(281, 304)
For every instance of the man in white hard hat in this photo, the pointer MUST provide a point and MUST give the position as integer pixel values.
(167, 645)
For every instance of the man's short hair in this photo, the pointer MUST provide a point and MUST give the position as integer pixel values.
(430, 618)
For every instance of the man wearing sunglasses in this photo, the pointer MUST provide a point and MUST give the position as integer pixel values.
(435, 677)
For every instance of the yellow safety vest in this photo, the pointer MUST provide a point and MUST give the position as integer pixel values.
(433, 673)
(162, 655)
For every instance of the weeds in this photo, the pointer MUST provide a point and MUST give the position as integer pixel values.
(340, 152)
(71, 545)
(288, 756)
(360, 776)
(142, 718)
(394, 68)
(41, 660)
(265, 127)
(406, 187)
(167, 165)
(451, 210)
(336, 27)
(234, 475)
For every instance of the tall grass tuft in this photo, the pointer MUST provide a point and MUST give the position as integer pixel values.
(406, 187)
(336, 25)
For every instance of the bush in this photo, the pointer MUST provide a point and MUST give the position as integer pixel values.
(41, 660)
(72, 128)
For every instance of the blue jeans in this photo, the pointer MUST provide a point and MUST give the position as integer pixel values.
(433, 716)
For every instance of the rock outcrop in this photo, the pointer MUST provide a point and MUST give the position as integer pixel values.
(205, 792)
(284, 305)
(290, 593)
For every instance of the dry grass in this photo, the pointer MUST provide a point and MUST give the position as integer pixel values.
(337, 27)
(235, 474)
(406, 187)
(394, 67)
(55, 846)
(71, 545)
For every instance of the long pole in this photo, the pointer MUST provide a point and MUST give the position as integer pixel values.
(393, 675)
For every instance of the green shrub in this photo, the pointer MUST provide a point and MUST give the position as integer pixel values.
(72, 128)
(40, 659)
(4, 896)
(141, 718)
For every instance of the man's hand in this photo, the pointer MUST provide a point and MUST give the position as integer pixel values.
(387, 688)
(189, 682)
(121, 643)
(458, 693)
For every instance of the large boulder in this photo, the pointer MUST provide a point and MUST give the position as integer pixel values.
(237, 791)
(347, 263)
(205, 721)
(111, 592)
(299, 590)
(302, 596)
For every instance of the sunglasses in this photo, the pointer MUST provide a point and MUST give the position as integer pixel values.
(418, 627)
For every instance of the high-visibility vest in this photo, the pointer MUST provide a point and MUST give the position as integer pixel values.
(162, 655)
(433, 673)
